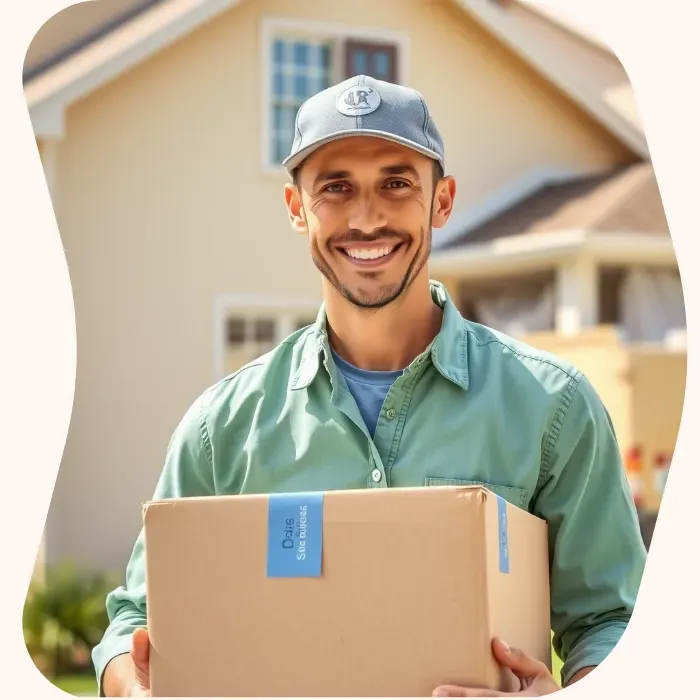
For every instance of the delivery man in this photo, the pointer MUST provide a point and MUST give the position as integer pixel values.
(391, 387)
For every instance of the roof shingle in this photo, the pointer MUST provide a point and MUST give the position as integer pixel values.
(625, 200)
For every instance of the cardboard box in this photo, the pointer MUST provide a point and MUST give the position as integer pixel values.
(413, 585)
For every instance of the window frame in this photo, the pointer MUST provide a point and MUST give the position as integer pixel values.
(370, 46)
(283, 311)
(336, 34)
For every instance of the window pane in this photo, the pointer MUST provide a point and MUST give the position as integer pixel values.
(300, 54)
(301, 87)
(300, 69)
(264, 330)
(359, 62)
(290, 115)
(278, 83)
(278, 52)
(370, 58)
(277, 117)
(281, 148)
(325, 57)
(235, 331)
(380, 65)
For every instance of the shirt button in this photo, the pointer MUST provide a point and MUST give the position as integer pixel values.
(391, 414)
(376, 475)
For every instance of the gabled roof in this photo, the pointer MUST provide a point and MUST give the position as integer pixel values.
(625, 200)
(126, 39)
(134, 39)
(76, 27)
(499, 19)
(562, 19)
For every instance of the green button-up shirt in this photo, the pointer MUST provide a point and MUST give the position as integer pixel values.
(477, 407)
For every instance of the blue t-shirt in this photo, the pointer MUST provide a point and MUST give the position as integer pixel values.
(368, 388)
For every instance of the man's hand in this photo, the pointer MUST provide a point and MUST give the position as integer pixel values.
(140, 648)
(127, 675)
(535, 678)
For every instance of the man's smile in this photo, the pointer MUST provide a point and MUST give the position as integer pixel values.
(370, 253)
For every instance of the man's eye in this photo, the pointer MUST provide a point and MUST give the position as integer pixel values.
(396, 184)
(335, 188)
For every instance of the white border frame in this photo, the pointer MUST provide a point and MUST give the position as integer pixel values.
(272, 26)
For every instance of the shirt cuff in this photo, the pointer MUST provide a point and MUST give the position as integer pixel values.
(108, 649)
(592, 650)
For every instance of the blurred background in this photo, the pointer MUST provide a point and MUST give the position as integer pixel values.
(161, 126)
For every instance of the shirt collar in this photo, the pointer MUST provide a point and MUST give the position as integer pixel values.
(448, 352)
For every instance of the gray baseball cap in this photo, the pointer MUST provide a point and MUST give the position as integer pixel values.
(364, 106)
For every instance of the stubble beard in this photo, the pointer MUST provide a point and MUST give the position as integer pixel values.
(386, 294)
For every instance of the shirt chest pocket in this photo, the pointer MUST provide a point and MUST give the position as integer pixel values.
(513, 494)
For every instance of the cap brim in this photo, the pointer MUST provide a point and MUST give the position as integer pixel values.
(295, 160)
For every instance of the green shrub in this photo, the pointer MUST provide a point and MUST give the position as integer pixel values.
(65, 617)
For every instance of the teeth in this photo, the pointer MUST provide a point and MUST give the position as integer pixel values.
(368, 253)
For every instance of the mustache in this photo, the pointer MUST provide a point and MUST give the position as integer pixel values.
(357, 236)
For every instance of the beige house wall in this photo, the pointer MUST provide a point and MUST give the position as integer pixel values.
(164, 204)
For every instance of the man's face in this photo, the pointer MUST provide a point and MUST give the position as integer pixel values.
(368, 207)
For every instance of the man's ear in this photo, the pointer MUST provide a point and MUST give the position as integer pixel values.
(444, 201)
(295, 209)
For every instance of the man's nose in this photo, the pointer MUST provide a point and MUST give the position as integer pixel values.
(367, 215)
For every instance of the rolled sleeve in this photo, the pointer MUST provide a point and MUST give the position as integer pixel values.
(596, 550)
(126, 611)
(187, 472)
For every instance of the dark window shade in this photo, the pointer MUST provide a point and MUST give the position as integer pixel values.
(235, 331)
(379, 61)
(262, 330)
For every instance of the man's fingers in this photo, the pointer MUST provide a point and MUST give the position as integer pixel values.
(140, 650)
(456, 691)
(140, 647)
(522, 665)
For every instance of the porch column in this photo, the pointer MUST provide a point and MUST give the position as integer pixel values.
(576, 295)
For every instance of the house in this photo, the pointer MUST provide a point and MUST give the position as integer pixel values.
(161, 126)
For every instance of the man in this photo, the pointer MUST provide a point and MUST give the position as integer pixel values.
(392, 387)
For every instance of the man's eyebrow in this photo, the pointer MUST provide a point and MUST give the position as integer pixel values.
(331, 175)
(401, 170)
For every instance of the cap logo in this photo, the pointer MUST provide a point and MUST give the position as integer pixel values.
(358, 100)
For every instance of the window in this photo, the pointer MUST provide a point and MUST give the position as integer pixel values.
(251, 334)
(299, 69)
(257, 330)
(376, 60)
(248, 337)
(302, 66)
